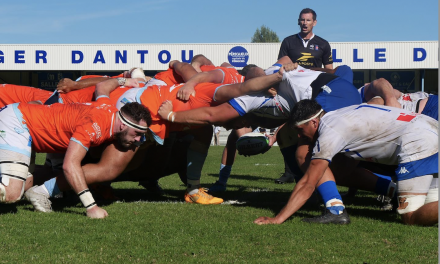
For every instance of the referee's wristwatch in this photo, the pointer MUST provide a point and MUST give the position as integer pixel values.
(121, 81)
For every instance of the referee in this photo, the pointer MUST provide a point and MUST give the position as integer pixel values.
(309, 51)
(305, 48)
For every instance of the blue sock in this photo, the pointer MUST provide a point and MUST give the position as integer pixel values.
(225, 172)
(330, 195)
(383, 186)
(52, 187)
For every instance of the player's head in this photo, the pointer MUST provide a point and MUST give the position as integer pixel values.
(307, 20)
(305, 118)
(251, 71)
(134, 122)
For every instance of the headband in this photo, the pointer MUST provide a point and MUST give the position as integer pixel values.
(307, 120)
(131, 124)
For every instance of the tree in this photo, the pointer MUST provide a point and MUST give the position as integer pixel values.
(264, 34)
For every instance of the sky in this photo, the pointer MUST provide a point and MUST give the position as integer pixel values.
(194, 21)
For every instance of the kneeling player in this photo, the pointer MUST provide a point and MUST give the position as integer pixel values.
(383, 135)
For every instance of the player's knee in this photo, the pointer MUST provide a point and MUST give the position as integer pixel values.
(12, 180)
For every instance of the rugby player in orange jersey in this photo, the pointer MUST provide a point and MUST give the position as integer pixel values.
(207, 94)
(72, 128)
(113, 161)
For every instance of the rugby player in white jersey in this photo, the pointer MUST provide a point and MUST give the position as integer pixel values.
(379, 134)
(271, 111)
(380, 91)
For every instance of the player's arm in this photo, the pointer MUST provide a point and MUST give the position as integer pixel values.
(66, 85)
(381, 87)
(76, 179)
(254, 85)
(201, 116)
(301, 193)
(215, 76)
(331, 70)
(185, 70)
(106, 87)
(199, 61)
(284, 60)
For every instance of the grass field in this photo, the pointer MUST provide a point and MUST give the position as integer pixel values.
(147, 228)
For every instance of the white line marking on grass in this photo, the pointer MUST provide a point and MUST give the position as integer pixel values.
(233, 202)
(259, 190)
(155, 202)
(264, 164)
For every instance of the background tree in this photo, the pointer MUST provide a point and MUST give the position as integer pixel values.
(264, 34)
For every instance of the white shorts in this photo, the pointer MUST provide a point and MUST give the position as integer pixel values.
(14, 135)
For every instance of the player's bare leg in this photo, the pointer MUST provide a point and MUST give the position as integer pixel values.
(335, 210)
(417, 207)
(228, 159)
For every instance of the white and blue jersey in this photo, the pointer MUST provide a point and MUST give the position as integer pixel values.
(294, 87)
(380, 134)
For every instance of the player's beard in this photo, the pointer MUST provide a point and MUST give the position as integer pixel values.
(120, 139)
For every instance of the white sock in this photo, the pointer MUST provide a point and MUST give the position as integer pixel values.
(41, 189)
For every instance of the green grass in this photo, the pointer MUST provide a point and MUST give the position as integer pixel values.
(146, 228)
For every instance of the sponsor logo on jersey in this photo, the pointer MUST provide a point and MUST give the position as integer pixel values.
(97, 130)
(305, 57)
(403, 170)
(316, 47)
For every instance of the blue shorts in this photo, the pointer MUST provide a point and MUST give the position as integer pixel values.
(431, 107)
(345, 72)
(413, 169)
(341, 94)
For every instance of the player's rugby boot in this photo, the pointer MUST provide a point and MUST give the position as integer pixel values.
(40, 201)
(328, 218)
(217, 187)
(202, 197)
(285, 178)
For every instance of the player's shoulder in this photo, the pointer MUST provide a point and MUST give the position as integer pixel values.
(291, 38)
(317, 38)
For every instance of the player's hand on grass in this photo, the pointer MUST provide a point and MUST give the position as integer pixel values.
(66, 85)
(96, 212)
(264, 220)
(185, 92)
(165, 109)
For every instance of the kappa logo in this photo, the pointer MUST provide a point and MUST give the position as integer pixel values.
(403, 170)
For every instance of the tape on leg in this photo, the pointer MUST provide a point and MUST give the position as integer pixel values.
(12, 170)
(410, 203)
(432, 196)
